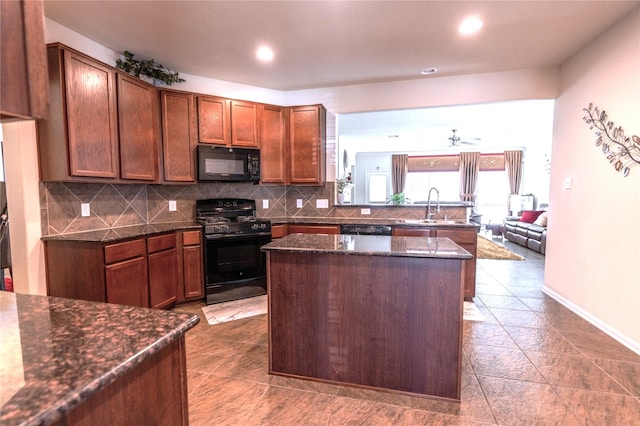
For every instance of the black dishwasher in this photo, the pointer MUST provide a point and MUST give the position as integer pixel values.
(351, 229)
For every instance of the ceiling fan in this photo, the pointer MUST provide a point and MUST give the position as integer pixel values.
(455, 140)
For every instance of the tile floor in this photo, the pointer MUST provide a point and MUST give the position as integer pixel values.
(533, 362)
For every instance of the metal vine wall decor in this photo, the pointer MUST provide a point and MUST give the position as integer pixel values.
(622, 151)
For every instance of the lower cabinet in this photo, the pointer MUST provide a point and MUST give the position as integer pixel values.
(313, 229)
(192, 276)
(156, 271)
(125, 274)
(467, 238)
(163, 270)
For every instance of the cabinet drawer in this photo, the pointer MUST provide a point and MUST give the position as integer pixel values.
(458, 236)
(190, 238)
(123, 251)
(278, 231)
(161, 242)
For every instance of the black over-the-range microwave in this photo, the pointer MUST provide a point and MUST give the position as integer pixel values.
(218, 163)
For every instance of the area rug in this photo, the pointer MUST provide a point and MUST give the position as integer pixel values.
(471, 312)
(236, 309)
(489, 250)
(244, 308)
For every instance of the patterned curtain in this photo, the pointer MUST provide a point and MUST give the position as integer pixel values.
(469, 168)
(399, 172)
(513, 164)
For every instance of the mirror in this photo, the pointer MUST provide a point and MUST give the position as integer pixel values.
(366, 141)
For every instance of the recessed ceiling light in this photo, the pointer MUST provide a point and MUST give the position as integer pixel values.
(264, 53)
(470, 25)
(428, 71)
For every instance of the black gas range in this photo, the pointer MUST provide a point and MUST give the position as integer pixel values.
(235, 267)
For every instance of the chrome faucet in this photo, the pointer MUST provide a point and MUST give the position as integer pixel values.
(429, 214)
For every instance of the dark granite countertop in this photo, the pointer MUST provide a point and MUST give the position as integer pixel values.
(58, 352)
(123, 233)
(404, 223)
(369, 245)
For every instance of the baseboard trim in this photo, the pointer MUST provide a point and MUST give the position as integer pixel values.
(615, 334)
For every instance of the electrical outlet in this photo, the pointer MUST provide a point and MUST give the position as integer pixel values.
(365, 211)
(172, 205)
(85, 210)
(299, 203)
(265, 204)
(322, 203)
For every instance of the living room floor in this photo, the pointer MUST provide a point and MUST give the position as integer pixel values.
(532, 362)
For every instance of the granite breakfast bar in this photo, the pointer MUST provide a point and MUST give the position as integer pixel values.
(68, 361)
(374, 312)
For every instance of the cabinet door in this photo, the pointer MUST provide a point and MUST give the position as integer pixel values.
(192, 271)
(163, 278)
(273, 144)
(138, 118)
(213, 119)
(244, 123)
(307, 145)
(126, 282)
(23, 60)
(91, 117)
(178, 137)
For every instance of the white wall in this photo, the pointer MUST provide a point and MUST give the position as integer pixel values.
(594, 227)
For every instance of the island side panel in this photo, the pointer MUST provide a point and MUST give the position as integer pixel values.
(374, 321)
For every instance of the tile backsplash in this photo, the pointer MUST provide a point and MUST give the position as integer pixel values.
(113, 206)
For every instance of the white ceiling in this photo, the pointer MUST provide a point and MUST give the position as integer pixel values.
(332, 43)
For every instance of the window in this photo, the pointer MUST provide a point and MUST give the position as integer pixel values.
(493, 196)
(418, 184)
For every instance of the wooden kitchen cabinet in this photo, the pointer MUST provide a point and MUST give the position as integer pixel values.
(307, 144)
(79, 141)
(273, 144)
(313, 229)
(23, 61)
(138, 121)
(144, 271)
(279, 231)
(213, 120)
(102, 124)
(126, 273)
(179, 137)
(244, 123)
(192, 282)
(467, 238)
(163, 270)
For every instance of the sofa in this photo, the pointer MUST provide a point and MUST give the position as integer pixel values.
(528, 230)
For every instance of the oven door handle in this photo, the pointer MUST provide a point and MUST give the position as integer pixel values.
(236, 236)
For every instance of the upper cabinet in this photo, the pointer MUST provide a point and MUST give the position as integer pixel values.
(138, 118)
(23, 61)
(307, 144)
(213, 120)
(244, 123)
(96, 130)
(227, 122)
(179, 137)
(273, 144)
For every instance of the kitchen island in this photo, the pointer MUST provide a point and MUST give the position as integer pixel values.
(369, 311)
(76, 362)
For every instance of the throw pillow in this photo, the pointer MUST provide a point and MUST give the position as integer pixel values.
(530, 216)
(541, 220)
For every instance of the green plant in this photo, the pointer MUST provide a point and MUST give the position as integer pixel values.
(398, 199)
(340, 185)
(149, 68)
